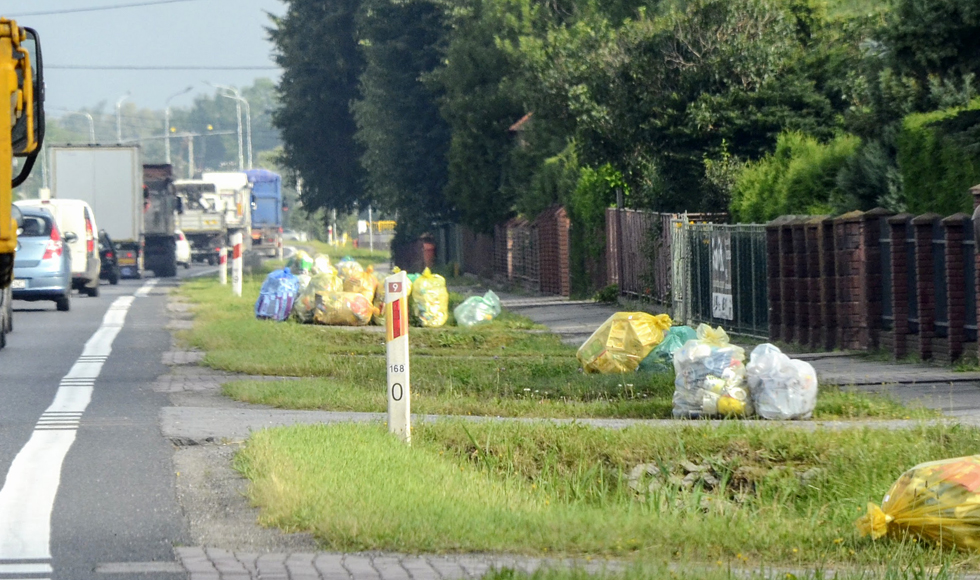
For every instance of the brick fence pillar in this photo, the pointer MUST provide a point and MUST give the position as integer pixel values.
(787, 279)
(975, 192)
(955, 230)
(898, 225)
(851, 320)
(801, 334)
(814, 302)
(828, 284)
(872, 293)
(774, 281)
(925, 288)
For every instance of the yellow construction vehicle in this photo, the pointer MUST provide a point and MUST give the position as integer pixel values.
(21, 85)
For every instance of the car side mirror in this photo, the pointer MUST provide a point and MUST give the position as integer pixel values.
(70, 237)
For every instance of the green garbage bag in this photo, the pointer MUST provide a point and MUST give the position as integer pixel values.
(661, 358)
(477, 309)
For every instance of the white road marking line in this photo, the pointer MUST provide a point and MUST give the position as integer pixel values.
(145, 290)
(28, 494)
(25, 568)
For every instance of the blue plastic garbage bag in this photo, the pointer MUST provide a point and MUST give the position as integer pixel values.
(276, 298)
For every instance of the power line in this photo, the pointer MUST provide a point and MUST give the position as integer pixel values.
(98, 8)
(155, 67)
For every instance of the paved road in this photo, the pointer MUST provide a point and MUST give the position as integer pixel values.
(88, 486)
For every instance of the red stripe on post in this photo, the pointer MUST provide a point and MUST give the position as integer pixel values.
(238, 251)
(396, 319)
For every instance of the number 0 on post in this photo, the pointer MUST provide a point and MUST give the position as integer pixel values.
(396, 320)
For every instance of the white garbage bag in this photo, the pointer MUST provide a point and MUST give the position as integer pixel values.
(782, 388)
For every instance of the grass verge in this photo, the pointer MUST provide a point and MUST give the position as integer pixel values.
(505, 368)
(775, 496)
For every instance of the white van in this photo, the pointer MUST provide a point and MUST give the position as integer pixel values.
(75, 216)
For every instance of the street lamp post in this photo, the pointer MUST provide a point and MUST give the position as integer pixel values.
(232, 93)
(91, 124)
(166, 122)
(119, 116)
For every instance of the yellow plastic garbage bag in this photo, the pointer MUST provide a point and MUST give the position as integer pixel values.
(347, 267)
(342, 309)
(363, 283)
(319, 284)
(937, 501)
(622, 341)
(430, 300)
(379, 299)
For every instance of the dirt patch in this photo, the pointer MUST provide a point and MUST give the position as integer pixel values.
(212, 495)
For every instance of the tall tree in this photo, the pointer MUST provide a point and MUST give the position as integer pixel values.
(404, 137)
(316, 46)
(479, 109)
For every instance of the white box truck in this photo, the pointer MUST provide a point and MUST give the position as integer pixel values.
(110, 179)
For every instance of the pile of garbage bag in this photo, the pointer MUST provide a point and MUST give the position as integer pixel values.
(430, 300)
(711, 376)
(622, 341)
(938, 501)
(277, 295)
(477, 309)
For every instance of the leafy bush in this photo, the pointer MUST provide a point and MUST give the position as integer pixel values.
(595, 191)
(939, 159)
(799, 177)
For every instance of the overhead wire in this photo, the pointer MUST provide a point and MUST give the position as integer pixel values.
(157, 67)
(97, 8)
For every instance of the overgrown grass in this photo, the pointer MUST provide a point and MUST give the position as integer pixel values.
(499, 368)
(778, 496)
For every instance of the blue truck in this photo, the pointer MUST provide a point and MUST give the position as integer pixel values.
(266, 210)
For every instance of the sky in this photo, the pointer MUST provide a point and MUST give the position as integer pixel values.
(199, 39)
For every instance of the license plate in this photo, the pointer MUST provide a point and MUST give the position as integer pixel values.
(127, 261)
(18, 284)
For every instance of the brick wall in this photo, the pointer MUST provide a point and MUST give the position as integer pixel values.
(827, 283)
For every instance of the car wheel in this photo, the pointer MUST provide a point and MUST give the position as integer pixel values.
(187, 265)
(93, 291)
(114, 278)
(64, 303)
(10, 311)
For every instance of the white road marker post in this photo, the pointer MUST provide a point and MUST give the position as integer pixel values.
(396, 321)
(223, 266)
(236, 264)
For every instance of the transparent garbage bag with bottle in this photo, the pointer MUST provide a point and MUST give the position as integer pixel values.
(709, 369)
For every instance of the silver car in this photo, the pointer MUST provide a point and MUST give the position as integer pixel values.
(42, 265)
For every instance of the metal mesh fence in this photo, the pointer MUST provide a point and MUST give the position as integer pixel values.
(721, 276)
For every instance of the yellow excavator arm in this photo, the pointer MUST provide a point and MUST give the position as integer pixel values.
(22, 87)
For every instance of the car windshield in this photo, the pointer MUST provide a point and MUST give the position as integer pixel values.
(36, 226)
